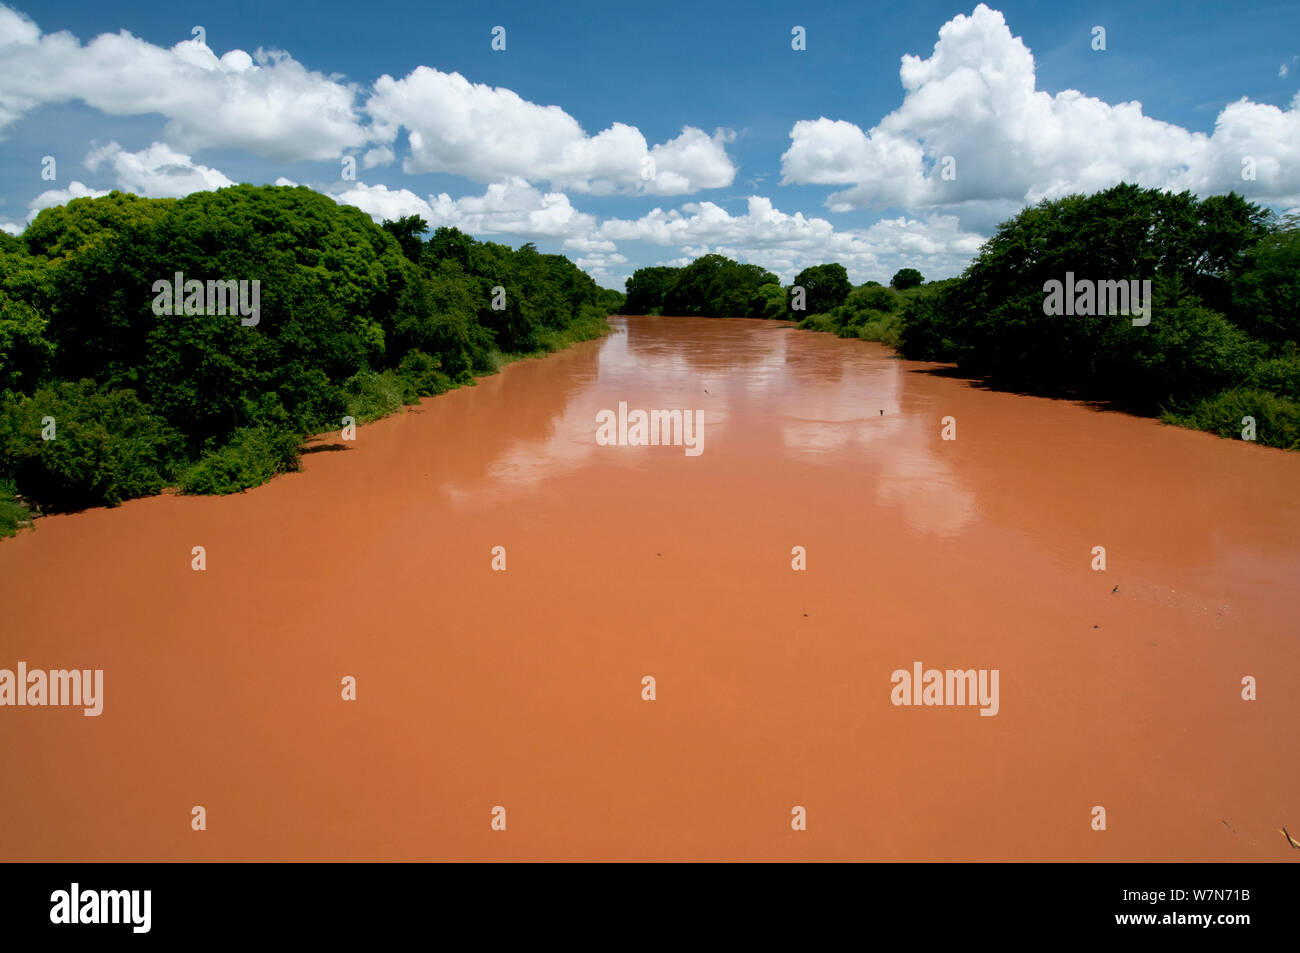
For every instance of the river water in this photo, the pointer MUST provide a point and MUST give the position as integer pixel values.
(523, 689)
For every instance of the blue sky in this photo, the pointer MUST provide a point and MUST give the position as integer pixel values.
(782, 157)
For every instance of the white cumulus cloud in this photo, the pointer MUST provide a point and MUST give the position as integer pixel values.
(266, 103)
(492, 134)
(513, 207)
(52, 197)
(975, 100)
(156, 172)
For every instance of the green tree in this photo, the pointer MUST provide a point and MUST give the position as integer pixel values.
(1266, 292)
(716, 286)
(25, 353)
(906, 278)
(408, 231)
(647, 288)
(353, 317)
(825, 287)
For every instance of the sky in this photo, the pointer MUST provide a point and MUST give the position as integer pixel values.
(628, 135)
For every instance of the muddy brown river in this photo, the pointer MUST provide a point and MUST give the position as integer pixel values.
(517, 698)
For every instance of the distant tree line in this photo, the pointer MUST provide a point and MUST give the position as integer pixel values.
(103, 398)
(715, 286)
(1219, 352)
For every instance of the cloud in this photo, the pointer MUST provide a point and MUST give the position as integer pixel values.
(381, 155)
(513, 207)
(266, 103)
(606, 268)
(786, 243)
(269, 104)
(156, 172)
(11, 228)
(588, 245)
(380, 202)
(491, 134)
(975, 100)
(52, 197)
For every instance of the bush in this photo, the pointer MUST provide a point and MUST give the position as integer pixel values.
(373, 395)
(886, 329)
(1277, 419)
(1187, 352)
(251, 457)
(107, 446)
(872, 298)
(818, 322)
(420, 376)
(13, 514)
(589, 324)
(1281, 375)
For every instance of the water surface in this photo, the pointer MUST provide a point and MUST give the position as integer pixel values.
(523, 688)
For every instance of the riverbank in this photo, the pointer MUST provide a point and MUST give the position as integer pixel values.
(385, 395)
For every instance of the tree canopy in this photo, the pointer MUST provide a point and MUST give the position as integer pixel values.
(825, 286)
(353, 319)
(1224, 320)
(906, 278)
(711, 286)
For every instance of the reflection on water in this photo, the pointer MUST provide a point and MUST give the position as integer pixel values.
(802, 399)
(777, 397)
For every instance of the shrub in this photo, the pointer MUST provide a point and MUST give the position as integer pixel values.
(1281, 375)
(107, 446)
(872, 298)
(818, 322)
(1277, 419)
(420, 376)
(251, 457)
(13, 514)
(885, 329)
(372, 394)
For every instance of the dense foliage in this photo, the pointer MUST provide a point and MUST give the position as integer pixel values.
(906, 278)
(872, 312)
(353, 319)
(1224, 310)
(825, 287)
(712, 286)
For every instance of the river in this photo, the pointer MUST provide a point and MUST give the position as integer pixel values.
(523, 689)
